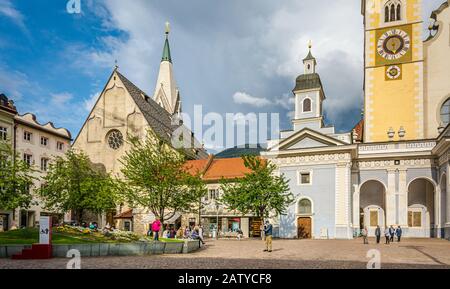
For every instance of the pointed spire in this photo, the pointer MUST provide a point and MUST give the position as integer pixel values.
(166, 52)
(309, 56)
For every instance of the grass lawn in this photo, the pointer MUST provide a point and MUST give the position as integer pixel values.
(30, 236)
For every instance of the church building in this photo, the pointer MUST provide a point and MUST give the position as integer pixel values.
(393, 167)
(123, 109)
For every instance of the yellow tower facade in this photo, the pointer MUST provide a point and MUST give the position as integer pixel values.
(393, 85)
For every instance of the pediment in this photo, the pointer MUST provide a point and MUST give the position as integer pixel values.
(306, 139)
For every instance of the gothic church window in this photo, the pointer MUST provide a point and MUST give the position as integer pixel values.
(115, 139)
(445, 113)
(392, 11)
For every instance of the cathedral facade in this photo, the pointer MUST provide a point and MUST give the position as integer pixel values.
(393, 167)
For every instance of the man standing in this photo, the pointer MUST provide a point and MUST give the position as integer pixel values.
(364, 234)
(399, 233)
(378, 234)
(268, 234)
(392, 233)
(387, 234)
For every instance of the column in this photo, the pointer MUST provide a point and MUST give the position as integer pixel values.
(390, 198)
(356, 206)
(342, 202)
(403, 199)
(437, 212)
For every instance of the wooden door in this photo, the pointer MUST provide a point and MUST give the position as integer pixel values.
(304, 228)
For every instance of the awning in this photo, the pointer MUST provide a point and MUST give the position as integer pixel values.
(172, 220)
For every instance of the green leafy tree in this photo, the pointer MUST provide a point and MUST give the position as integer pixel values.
(155, 178)
(74, 184)
(260, 192)
(16, 180)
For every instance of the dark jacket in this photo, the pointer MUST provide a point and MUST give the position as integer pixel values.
(399, 232)
(268, 230)
(377, 232)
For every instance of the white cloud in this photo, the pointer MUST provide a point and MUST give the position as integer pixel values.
(244, 98)
(61, 99)
(90, 102)
(7, 9)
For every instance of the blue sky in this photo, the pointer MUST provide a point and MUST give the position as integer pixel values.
(229, 56)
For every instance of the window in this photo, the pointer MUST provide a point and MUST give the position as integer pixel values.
(445, 113)
(213, 194)
(414, 219)
(393, 11)
(44, 164)
(305, 178)
(307, 105)
(60, 146)
(3, 133)
(304, 207)
(115, 139)
(44, 141)
(27, 136)
(28, 159)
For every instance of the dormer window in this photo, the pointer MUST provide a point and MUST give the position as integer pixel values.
(307, 105)
(392, 11)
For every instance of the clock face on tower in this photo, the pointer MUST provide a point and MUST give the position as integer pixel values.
(393, 44)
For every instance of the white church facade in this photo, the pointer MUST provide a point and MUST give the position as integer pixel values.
(393, 168)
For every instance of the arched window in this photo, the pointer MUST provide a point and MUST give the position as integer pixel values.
(445, 112)
(304, 207)
(307, 105)
(399, 12)
(386, 14)
(392, 12)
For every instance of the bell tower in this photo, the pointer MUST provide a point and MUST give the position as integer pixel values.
(393, 70)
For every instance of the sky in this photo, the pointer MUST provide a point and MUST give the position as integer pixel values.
(229, 56)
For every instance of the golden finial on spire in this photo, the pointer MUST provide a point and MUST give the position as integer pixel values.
(167, 28)
(310, 44)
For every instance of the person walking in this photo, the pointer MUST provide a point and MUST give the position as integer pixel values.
(268, 235)
(378, 234)
(156, 227)
(392, 233)
(387, 234)
(364, 234)
(399, 233)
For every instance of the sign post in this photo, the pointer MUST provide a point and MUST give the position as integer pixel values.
(45, 230)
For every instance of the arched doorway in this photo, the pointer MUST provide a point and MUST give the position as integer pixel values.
(372, 206)
(444, 200)
(421, 209)
(304, 219)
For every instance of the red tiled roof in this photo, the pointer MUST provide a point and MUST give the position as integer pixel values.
(195, 167)
(359, 129)
(125, 215)
(226, 169)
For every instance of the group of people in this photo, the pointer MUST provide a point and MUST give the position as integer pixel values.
(389, 233)
(189, 232)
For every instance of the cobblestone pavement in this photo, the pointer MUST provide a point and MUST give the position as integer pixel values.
(287, 254)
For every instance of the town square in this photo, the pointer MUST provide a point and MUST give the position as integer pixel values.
(287, 136)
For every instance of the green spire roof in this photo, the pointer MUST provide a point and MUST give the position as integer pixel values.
(166, 52)
(309, 56)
